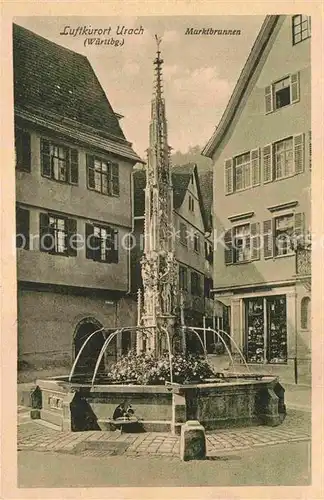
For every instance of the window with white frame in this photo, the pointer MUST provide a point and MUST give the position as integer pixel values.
(102, 243)
(301, 28)
(242, 171)
(103, 176)
(59, 162)
(241, 243)
(283, 234)
(283, 158)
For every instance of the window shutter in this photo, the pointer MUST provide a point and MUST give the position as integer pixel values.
(310, 149)
(268, 238)
(268, 99)
(74, 166)
(229, 176)
(22, 228)
(267, 163)
(294, 88)
(91, 172)
(89, 241)
(299, 153)
(115, 179)
(46, 160)
(255, 240)
(71, 227)
(112, 246)
(23, 153)
(228, 250)
(255, 166)
(299, 223)
(46, 237)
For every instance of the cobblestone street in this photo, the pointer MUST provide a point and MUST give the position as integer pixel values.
(36, 436)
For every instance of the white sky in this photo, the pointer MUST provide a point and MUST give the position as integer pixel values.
(199, 71)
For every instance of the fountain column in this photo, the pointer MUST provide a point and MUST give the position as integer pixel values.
(158, 265)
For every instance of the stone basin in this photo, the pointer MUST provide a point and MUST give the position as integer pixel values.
(228, 402)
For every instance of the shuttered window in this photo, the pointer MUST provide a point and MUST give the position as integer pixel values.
(228, 247)
(57, 235)
(22, 149)
(183, 278)
(268, 99)
(103, 176)
(241, 243)
(299, 153)
(255, 167)
(267, 239)
(228, 171)
(282, 93)
(255, 240)
(102, 243)
(267, 163)
(59, 162)
(22, 228)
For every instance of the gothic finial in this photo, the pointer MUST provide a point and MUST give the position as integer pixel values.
(158, 41)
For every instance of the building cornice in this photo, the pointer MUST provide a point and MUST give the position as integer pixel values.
(258, 286)
(283, 206)
(239, 217)
(76, 132)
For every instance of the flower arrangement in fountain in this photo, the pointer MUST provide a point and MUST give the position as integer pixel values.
(145, 369)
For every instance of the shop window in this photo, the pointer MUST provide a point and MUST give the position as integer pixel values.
(266, 329)
(305, 313)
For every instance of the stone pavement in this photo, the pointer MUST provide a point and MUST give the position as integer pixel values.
(39, 436)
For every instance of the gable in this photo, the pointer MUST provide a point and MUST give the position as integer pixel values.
(251, 127)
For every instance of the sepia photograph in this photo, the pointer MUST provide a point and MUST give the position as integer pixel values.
(163, 245)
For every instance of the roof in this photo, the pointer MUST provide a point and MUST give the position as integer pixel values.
(51, 80)
(251, 64)
(181, 175)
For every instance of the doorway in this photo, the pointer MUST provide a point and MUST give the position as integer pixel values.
(90, 353)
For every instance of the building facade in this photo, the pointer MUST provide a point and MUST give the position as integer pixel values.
(73, 193)
(261, 152)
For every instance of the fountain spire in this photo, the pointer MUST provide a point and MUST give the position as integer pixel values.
(158, 265)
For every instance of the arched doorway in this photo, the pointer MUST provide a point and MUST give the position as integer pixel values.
(90, 353)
